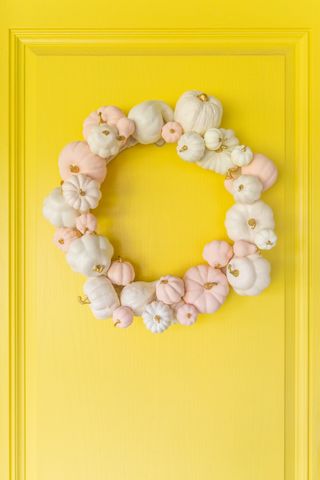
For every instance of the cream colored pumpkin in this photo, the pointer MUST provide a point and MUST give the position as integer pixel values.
(90, 255)
(244, 221)
(137, 295)
(248, 275)
(103, 140)
(157, 317)
(265, 239)
(81, 192)
(229, 140)
(213, 138)
(191, 147)
(246, 189)
(241, 155)
(196, 111)
(102, 297)
(149, 118)
(58, 211)
(218, 161)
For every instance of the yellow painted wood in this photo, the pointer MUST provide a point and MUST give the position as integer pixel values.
(236, 396)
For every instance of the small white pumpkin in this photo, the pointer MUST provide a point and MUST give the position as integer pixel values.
(244, 221)
(90, 255)
(58, 211)
(246, 189)
(137, 295)
(248, 275)
(196, 111)
(149, 118)
(191, 147)
(157, 317)
(81, 192)
(241, 155)
(265, 239)
(103, 140)
(213, 138)
(229, 140)
(218, 161)
(102, 297)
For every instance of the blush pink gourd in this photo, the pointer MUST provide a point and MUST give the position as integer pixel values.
(76, 158)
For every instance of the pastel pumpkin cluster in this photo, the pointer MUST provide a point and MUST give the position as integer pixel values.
(111, 289)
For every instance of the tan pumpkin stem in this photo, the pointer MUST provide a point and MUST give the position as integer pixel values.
(98, 268)
(116, 323)
(100, 118)
(203, 97)
(233, 173)
(164, 281)
(74, 169)
(84, 300)
(209, 285)
(183, 148)
(252, 223)
(157, 318)
(234, 272)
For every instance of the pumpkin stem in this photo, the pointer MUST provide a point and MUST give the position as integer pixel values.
(100, 118)
(83, 299)
(243, 148)
(164, 281)
(157, 318)
(116, 323)
(209, 285)
(235, 272)
(183, 148)
(233, 173)
(74, 169)
(120, 259)
(252, 223)
(98, 268)
(106, 132)
(203, 97)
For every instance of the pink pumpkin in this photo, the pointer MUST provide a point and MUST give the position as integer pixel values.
(121, 273)
(263, 168)
(187, 314)
(122, 317)
(171, 132)
(170, 289)
(228, 185)
(86, 223)
(63, 237)
(242, 248)
(217, 253)
(112, 114)
(77, 158)
(126, 127)
(206, 288)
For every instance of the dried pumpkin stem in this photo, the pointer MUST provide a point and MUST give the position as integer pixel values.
(83, 299)
(209, 285)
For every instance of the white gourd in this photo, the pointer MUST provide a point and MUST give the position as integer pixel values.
(157, 317)
(81, 192)
(246, 189)
(248, 275)
(265, 239)
(229, 140)
(90, 255)
(137, 295)
(217, 161)
(102, 296)
(149, 118)
(191, 147)
(58, 211)
(103, 140)
(241, 155)
(244, 221)
(197, 112)
(213, 138)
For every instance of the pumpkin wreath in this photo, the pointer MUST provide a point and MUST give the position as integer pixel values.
(110, 289)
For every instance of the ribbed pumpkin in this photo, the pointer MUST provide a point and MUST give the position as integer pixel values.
(101, 296)
(263, 168)
(217, 253)
(121, 273)
(77, 158)
(170, 289)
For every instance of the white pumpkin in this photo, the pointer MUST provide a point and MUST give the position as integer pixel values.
(58, 211)
(218, 161)
(196, 111)
(102, 297)
(246, 189)
(229, 140)
(265, 239)
(81, 192)
(157, 317)
(137, 295)
(90, 255)
(149, 118)
(213, 138)
(191, 147)
(103, 140)
(244, 221)
(248, 275)
(241, 155)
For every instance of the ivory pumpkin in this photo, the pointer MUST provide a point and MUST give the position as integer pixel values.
(149, 118)
(101, 296)
(246, 189)
(191, 147)
(77, 158)
(249, 275)
(196, 111)
(170, 289)
(263, 168)
(171, 132)
(157, 317)
(206, 288)
(217, 253)
(137, 295)
(242, 248)
(90, 255)
(244, 221)
(58, 211)
(121, 273)
(64, 236)
(122, 317)
(103, 141)
(187, 314)
(217, 161)
(213, 138)
(86, 223)
(265, 239)
(81, 192)
(241, 155)
(229, 140)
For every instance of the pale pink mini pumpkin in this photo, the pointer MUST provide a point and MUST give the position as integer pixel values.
(126, 127)
(242, 248)
(109, 115)
(112, 114)
(86, 223)
(77, 158)
(187, 314)
(121, 273)
(171, 132)
(122, 317)
(63, 237)
(206, 288)
(170, 289)
(217, 253)
(263, 168)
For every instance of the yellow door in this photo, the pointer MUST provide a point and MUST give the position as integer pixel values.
(236, 397)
